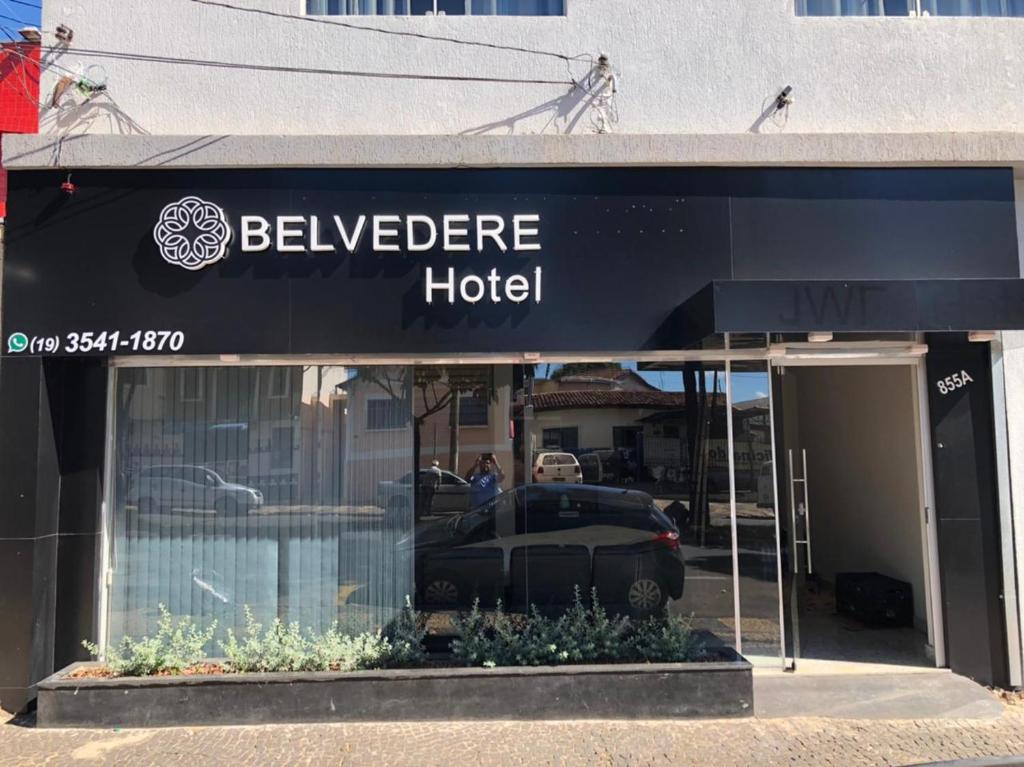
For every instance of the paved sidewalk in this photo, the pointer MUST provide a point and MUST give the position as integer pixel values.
(800, 741)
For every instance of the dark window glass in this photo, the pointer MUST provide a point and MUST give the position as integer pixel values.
(472, 410)
(854, 7)
(447, 7)
(385, 414)
(973, 7)
(561, 439)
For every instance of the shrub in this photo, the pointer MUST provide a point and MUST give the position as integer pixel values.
(592, 636)
(406, 638)
(284, 647)
(581, 635)
(337, 651)
(280, 648)
(176, 646)
(664, 639)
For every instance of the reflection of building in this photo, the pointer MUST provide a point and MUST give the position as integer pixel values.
(616, 411)
(457, 419)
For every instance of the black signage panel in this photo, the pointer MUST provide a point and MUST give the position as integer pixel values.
(433, 261)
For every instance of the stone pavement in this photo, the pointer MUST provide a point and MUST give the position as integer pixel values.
(795, 741)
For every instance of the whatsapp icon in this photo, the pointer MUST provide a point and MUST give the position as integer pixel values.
(17, 342)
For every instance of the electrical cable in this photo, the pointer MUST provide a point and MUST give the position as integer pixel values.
(380, 30)
(152, 58)
(16, 21)
(26, 90)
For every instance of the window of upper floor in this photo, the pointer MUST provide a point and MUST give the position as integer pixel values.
(1006, 8)
(435, 7)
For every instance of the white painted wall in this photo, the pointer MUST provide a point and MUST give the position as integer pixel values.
(596, 426)
(857, 425)
(686, 66)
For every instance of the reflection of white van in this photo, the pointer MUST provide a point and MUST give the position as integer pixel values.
(766, 485)
(557, 467)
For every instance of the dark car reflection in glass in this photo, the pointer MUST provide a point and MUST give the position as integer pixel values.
(536, 544)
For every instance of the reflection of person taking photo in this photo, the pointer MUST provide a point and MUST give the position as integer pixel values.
(484, 479)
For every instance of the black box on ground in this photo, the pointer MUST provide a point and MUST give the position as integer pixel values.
(875, 599)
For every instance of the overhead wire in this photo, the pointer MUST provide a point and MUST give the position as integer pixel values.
(181, 61)
(16, 21)
(383, 31)
(26, 90)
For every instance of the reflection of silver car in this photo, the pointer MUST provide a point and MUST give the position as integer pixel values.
(190, 488)
(450, 492)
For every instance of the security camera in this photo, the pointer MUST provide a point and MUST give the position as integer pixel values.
(785, 98)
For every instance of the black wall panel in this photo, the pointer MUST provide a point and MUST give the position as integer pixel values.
(967, 507)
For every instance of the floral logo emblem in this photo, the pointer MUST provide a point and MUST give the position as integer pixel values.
(192, 233)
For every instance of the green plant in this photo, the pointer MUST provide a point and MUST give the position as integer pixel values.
(591, 635)
(280, 648)
(177, 645)
(337, 651)
(406, 638)
(505, 640)
(664, 639)
(580, 635)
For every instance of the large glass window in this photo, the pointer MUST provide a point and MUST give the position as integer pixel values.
(910, 7)
(435, 7)
(328, 493)
(627, 495)
(262, 487)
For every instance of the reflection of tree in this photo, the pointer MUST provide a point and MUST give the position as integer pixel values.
(700, 415)
(433, 388)
(124, 428)
(582, 368)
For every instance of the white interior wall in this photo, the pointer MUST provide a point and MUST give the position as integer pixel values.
(857, 425)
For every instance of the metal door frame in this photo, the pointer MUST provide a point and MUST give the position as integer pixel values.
(833, 354)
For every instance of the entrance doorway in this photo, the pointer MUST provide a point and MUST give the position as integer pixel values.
(853, 508)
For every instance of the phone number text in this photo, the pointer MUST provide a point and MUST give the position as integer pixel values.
(115, 341)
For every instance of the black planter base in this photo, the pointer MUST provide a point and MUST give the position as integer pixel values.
(644, 691)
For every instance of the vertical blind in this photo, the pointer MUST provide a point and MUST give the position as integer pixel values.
(258, 487)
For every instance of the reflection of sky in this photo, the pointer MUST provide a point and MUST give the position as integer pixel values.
(746, 386)
(13, 16)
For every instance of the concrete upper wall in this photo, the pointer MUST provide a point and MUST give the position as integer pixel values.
(686, 66)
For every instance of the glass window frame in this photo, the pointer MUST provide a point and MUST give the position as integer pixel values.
(108, 557)
(916, 9)
(357, 11)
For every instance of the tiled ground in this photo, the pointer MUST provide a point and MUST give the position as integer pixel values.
(801, 741)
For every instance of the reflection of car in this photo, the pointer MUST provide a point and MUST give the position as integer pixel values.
(190, 488)
(451, 492)
(536, 543)
(556, 467)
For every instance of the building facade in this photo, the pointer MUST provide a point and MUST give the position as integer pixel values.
(281, 277)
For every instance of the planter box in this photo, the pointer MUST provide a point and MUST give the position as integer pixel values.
(644, 691)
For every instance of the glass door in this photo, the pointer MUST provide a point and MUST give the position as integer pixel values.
(854, 533)
(755, 514)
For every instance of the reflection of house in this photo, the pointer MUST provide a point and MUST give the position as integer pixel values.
(617, 409)
(457, 420)
(608, 409)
